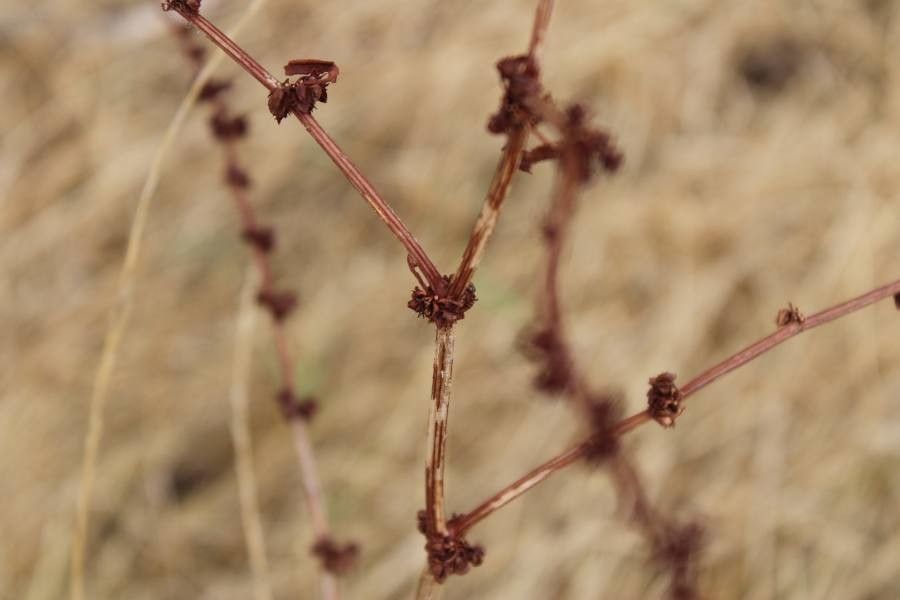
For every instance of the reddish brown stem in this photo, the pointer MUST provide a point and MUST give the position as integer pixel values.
(350, 170)
(575, 453)
(490, 211)
(438, 415)
(506, 168)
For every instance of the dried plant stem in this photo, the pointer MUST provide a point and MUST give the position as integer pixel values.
(428, 588)
(312, 490)
(541, 25)
(341, 160)
(506, 168)
(438, 415)
(490, 211)
(577, 452)
(243, 450)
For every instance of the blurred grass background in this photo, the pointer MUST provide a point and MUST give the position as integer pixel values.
(761, 142)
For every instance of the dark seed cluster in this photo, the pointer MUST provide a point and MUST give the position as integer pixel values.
(664, 399)
(336, 558)
(437, 307)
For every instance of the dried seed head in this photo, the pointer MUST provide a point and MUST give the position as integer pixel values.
(438, 308)
(262, 238)
(303, 93)
(450, 555)
(547, 349)
(226, 127)
(789, 315)
(212, 88)
(296, 408)
(279, 303)
(236, 176)
(335, 558)
(583, 145)
(522, 85)
(664, 399)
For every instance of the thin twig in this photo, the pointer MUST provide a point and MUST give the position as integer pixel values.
(516, 142)
(512, 491)
(341, 160)
(490, 211)
(539, 28)
(449, 554)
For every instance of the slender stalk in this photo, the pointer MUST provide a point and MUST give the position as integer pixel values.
(120, 315)
(428, 588)
(490, 211)
(438, 415)
(541, 25)
(243, 451)
(506, 168)
(340, 159)
(739, 359)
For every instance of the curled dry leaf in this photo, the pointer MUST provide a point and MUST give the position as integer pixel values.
(188, 6)
(322, 70)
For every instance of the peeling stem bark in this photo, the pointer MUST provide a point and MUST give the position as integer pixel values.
(438, 414)
(490, 211)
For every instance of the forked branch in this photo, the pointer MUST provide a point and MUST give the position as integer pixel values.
(189, 10)
(520, 86)
(464, 523)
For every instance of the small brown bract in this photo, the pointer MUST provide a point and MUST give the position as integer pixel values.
(789, 315)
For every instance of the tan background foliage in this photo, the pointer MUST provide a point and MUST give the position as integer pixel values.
(761, 142)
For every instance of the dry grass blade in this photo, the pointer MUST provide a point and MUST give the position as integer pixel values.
(243, 447)
(121, 312)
